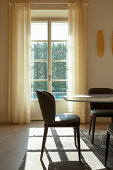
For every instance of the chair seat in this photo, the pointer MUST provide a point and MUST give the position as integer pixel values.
(110, 128)
(102, 112)
(67, 118)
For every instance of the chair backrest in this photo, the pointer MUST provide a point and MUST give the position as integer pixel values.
(94, 105)
(47, 106)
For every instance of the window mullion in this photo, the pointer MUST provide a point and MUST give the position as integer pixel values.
(49, 56)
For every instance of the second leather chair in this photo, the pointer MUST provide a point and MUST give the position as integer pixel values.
(100, 109)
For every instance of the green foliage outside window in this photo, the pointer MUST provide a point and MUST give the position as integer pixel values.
(39, 69)
(39, 50)
(59, 51)
(59, 70)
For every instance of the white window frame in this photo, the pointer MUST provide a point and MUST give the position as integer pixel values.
(49, 41)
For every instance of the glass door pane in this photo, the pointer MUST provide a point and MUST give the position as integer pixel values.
(59, 31)
(39, 31)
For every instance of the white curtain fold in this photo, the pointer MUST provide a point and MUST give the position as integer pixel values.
(19, 63)
(77, 75)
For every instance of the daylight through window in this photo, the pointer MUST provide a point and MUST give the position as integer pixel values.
(49, 57)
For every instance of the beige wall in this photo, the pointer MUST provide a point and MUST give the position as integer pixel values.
(100, 16)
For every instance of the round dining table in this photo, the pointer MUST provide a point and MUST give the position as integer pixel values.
(97, 98)
(102, 98)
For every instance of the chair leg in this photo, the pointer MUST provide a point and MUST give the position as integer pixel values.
(44, 141)
(107, 147)
(90, 125)
(78, 139)
(75, 135)
(93, 130)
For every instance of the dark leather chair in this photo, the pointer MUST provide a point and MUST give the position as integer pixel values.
(99, 109)
(109, 132)
(51, 119)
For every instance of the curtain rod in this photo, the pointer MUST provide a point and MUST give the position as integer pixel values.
(54, 2)
(49, 1)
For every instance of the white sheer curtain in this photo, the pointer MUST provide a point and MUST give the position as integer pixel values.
(77, 76)
(19, 63)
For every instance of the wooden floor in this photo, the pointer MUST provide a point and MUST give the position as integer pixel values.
(14, 141)
(100, 126)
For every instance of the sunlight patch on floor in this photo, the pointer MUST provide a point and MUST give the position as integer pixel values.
(90, 157)
(72, 156)
(92, 160)
(33, 161)
(66, 152)
(64, 131)
(67, 142)
(35, 143)
(38, 132)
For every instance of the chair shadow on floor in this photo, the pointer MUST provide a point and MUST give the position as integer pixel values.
(67, 165)
(64, 165)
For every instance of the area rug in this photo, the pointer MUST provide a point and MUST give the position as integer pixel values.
(61, 153)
